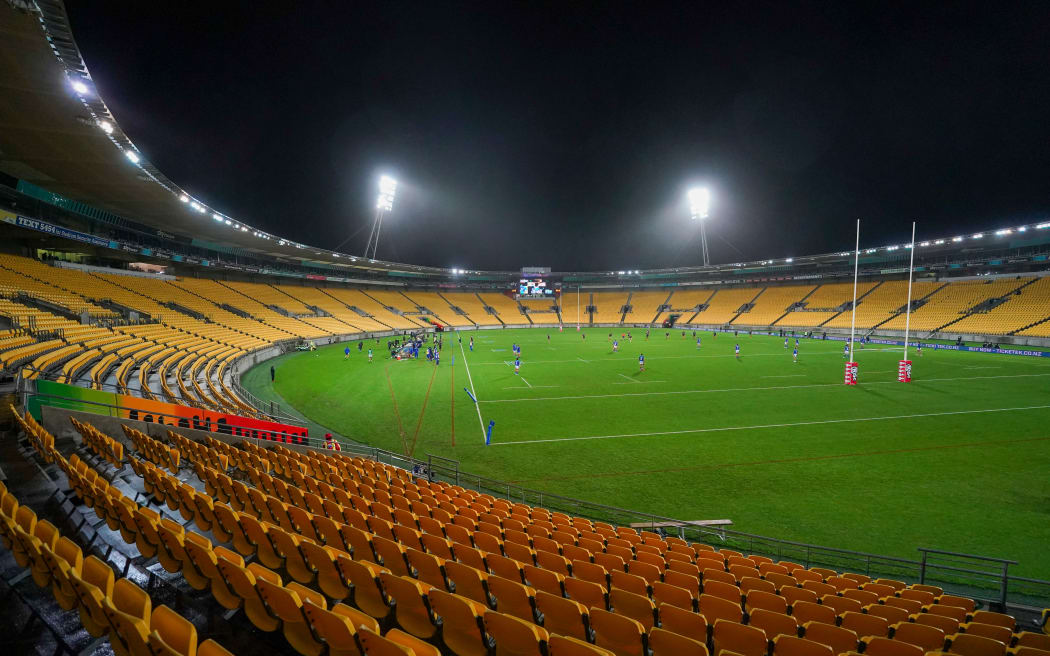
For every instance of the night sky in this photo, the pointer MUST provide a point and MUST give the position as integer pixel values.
(566, 134)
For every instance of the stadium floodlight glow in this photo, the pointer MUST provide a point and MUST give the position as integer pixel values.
(1022, 229)
(957, 239)
(132, 155)
(216, 216)
(790, 260)
(699, 209)
(1042, 226)
(892, 248)
(184, 198)
(978, 235)
(924, 243)
(384, 204)
(106, 126)
(871, 250)
(1004, 231)
(938, 242)
(228, 222)
(79, 87)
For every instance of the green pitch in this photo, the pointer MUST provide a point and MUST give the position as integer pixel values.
(957, 460)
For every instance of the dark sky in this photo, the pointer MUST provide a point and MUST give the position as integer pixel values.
(566, 134)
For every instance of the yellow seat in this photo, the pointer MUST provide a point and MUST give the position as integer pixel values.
(618, 633)
(289, 546)
(368, 593)
(337, 629)
(65, 560)
(411, 604)
(566, 646)
(286, 603)
(128, 612)
(993, 631)
(966, 644)
(665, 643)
(392, 555)
(563, 616)
(394, 643)
(322, 559)
(838, 638)
(635, 606)
(514, 636)
(885, 647)
(243, 582)
(206, 561)
(927, 638)
(93, 585)
(462, 623)
(773, 623)
(229, 520)
(258, 533)
(998, 619)
(513, 598)
(785, 645)
(468, 581)
(171, 634)
(427, 568)
(212, 648)
(738, 638)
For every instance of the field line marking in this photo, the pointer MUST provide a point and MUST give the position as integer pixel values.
(748, 389)
(452, 397)
(577, 358)
(419, 424)
(643, 382)
(785, 425)
(674, 357)
(477, 404)
(787, 376)
(525, 381)
(629, 378)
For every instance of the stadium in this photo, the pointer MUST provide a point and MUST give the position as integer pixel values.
(224, 439)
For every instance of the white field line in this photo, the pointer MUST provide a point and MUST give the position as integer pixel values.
(762, 426)
(667, 357)
(532, 387)
(629, 378)
(752, 389)
(477, 404)
(787, 376)
(643, 382)
(525, 381)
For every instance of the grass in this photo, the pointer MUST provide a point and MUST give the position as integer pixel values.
(956, 460)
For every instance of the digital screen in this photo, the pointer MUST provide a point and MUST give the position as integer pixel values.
(534, 288)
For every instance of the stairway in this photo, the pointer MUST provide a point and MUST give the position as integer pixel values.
(900, 311)
(749, 304)
(859, 299)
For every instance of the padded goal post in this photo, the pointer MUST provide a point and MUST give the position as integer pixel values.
(904, 371)
(850, 377)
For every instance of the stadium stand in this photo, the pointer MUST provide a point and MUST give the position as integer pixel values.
(723, 305)
(376, 318)
(644, 306)
(1026, 306)
(470, 303)
(882, 303)
(541, 311)
(950, 303)
(507, 308)
(436, 304)
(342, 546)
(608, 306)
(825, 303)
(397, 301)
(269, 296)
(771, 304)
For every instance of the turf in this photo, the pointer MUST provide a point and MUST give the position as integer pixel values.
(956, 460)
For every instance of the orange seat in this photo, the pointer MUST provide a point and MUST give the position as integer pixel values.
(667, 643)
(716, 608)
(967, 644)
(683, 622)
(773, 623)
(738, 638)
(619, 634)
(839, 639)
(929, 638)
(785, 645)
(805, 611)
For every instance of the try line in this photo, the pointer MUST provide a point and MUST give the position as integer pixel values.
(692, 431)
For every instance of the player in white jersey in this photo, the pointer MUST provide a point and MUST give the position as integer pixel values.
(845, 350)
(785, 342)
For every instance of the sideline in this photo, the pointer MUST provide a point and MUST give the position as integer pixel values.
(477, 403)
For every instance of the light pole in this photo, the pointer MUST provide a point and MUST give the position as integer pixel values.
(699, 204)
(384, 204)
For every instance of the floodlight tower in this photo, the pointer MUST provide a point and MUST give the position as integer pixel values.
(384, 204)
(699, 204)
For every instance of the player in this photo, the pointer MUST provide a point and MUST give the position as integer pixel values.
(346, 353)
(610, 337)
(796, 343)
(517, 366)
(697, 340)
(785, 342)
(646, 333)
(918, 348)
(548, 338)
(629, 338)
(437, 358)
(471, 344)
(583, 336)
(738, 350)
(794, 354)
(616, 345)
(359, 345)
(667, 335)
(845, 350)
(369, 356)
(641, 362)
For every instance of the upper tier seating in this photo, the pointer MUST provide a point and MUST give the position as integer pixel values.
(644, 306)
(608, 306)
(771, 304)
(723, 306)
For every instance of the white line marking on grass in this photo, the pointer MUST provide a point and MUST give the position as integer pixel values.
(787, 376)
(628, 378)
(672, 357)
(754, 389)
(643, 382)
(577, 358)
(531, 387)
(982, 367)
(526, 382)
(477, 403)
(760, 426)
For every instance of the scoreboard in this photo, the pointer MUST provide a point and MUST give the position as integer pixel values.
(530, 288)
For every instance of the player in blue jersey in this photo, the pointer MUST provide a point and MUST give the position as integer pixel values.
(641, 362)
(794, 354)
(698, 341)
(845, 349)
(616, 345)
(738, 350)
(437, 358)
(517, 366)
(918, 347)
(346, 353)
(785, 342)
(796, 342)
(471, 344)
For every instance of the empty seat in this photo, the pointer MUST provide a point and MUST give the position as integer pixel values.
(635, 606)
(805, 611)
(514, 636)
(886, 647)
(563, 616)
(865, 625)
(683, 622)
(998, 619)
(286, 603)
(667, 593)
(974, 645)
(667, 643)
(171, 634)
(338, 627)
(567, 646)
(929, 638)
(716, 608)
(462, 623)
(786, 645)
(411, 604)
(773, 623)
(993, 631)
(738, 638)
(942, 622)
(619, 634)
(839, 639)
(757, 599)
(514, 598)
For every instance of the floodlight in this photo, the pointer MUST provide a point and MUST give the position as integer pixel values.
(938, 242)
(978, 235)
(79, 87)
(131, 155)
(1004, 231)
(892, 248)
(216, 217)
(106, 126)
(1022, 229)
(387, 189)
(228, 222)
(924, 243)
(1042, 226)
(957, 239)
(699, 202)
(184, 198)
(871, 250)
(790, 260)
